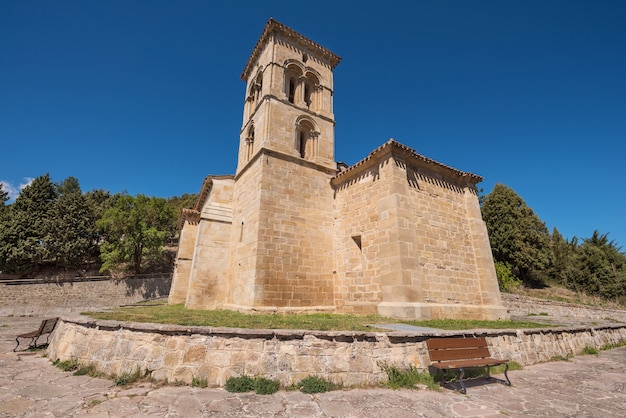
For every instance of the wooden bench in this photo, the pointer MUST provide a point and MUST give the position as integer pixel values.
(460, 354)
(46, 327)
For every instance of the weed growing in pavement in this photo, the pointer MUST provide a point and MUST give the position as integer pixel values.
(589, 350)
(66, 365)
(127, 378)
(407, 377)
(198, 382)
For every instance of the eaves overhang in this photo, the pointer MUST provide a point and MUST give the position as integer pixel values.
(273, 26)
(410, 156)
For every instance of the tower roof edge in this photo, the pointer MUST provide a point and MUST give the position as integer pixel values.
(273, 25)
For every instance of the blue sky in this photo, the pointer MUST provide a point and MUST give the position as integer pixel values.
(145, 96)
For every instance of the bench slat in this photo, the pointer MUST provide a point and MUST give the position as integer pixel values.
(459, 354)
(447, 343)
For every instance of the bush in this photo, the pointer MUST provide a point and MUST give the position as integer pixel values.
(506, 280)
(240, 384)
(314, 384)
(260, 385)
(263, 386)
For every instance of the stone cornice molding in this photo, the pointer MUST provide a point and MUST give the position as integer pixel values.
(274, 26)
(411, 157)
(193, 215)
(286, 157)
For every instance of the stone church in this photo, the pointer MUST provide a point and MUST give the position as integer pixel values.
(292, 230)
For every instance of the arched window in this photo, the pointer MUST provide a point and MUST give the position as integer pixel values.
(250, 143)
(293, 73)
(311, 88)
(291, 95)
(258, 87)
(306, 139)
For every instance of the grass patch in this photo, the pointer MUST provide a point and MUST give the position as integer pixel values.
(611, 346)
(178, 314)
(513, 365)
(89, 370)
(588, 350)
(561, 358)
(66, 365)
(314, 384)
(561, 294)
(461, 324)
(407, 377)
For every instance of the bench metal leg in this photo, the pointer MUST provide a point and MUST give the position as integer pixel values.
(506, 376)
(33, 343)
(463, 390)
(506, 369)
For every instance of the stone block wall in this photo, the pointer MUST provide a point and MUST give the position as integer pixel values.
(36, 297)
(422, 248)
(534, 308)
(179, 354)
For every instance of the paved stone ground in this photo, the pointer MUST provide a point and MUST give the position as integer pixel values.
(586, 386)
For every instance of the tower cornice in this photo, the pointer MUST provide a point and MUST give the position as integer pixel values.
(273, 26)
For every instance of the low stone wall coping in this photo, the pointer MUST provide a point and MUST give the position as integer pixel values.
(289, 334)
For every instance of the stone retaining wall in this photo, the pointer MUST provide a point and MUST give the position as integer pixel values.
(524, 306)
(178, 353)
(37, 297)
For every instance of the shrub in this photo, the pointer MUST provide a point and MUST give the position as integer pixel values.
(506, 280)
(259, 385)
(314, 384)
(240, 384)
(263, 386)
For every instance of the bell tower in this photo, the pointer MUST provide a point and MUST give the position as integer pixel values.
(288, 106)
(282, 217)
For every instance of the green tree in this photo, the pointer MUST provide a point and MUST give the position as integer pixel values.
(71, 229)
(564, 252)
(134, 229)
(4, 196)
(600, 267)
(23, 233)
(178, 203)
(518, 237)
